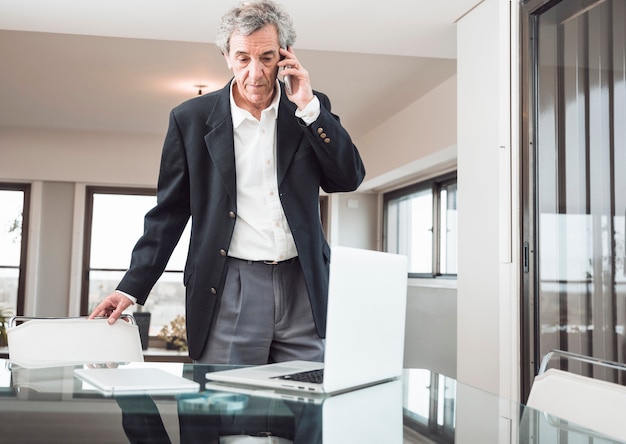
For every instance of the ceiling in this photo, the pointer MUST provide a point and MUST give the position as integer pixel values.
(121, 65)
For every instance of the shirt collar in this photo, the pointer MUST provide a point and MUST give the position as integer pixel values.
(240, 114)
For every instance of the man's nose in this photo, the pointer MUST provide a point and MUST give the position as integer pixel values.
(255, 68)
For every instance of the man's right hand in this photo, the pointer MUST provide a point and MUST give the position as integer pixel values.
(112, 307)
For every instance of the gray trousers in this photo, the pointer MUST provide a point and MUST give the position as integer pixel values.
(264, 316)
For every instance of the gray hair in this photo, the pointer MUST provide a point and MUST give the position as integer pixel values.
(248, 17)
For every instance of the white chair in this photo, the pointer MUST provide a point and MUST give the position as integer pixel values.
(45, 342)
(583, 401)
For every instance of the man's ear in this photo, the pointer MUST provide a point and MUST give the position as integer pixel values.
(227, 58)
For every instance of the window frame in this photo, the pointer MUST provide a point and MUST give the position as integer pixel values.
(434, 184)
(22, 269)
(90, 191)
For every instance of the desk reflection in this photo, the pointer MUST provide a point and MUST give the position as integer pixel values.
(51, 405)
(369, 415)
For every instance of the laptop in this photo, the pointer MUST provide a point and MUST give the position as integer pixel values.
(135, 380)
(364, 331)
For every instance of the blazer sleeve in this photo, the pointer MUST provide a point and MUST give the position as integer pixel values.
(342, 168)
(163, 224)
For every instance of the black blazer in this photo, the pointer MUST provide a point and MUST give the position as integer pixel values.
(197, 179)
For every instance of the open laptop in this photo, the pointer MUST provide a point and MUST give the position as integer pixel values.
(364, 332)
(134, 380)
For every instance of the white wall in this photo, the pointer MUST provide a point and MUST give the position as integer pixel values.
(52, 258)
(423, 128)
(488, 293)
(80, 156)
(354, 220)
(478, 108)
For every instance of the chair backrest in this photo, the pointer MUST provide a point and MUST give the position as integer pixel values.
(45, 342)
(584, 401)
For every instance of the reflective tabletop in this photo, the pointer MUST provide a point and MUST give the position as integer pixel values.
(54, 405)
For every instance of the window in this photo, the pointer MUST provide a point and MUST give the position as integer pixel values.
(113, 224)
(14, 203)
(420, 222)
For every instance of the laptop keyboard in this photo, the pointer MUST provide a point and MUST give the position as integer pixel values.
(314, 376)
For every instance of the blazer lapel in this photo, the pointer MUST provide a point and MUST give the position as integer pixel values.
(221, 146)
(220, 143)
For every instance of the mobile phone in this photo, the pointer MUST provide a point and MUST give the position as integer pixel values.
(287, 79)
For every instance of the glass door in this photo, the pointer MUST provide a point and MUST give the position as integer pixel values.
(575, 202)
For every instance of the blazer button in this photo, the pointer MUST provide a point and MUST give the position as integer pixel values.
(223, 252)
(323, 135)
(232, 214)
(213, 290)
(320, 130)
(327, 140)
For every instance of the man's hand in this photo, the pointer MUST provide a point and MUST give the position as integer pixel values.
(112, 307)
(301, 91)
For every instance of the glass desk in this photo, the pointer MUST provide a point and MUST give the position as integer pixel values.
(52, 405)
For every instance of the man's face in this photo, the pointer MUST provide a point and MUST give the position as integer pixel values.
(253, 60)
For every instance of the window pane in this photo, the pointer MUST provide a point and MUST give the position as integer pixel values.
(410, 229)
(166, 300)
(101, 284)
(11, 207)
(448, 232)
(9, 278)
(117, 224)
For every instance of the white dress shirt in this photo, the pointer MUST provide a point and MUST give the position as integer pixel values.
(261, 229)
